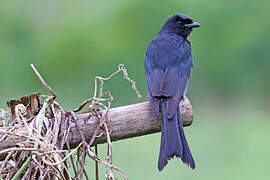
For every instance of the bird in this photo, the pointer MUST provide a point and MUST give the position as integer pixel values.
(168, 63)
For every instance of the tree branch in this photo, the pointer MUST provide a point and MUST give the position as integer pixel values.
(123, 122)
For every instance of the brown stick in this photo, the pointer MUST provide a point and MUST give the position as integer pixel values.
(123, 122)
(96, 151)
(43, 82)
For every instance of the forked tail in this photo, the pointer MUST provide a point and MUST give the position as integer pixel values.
(173, 140)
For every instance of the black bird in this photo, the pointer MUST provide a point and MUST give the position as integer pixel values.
(168, 62)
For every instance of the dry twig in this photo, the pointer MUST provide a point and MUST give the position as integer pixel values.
(42, 152)
(43, 82)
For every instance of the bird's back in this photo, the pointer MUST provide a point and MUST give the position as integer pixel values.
(167, 50)
(168, 64)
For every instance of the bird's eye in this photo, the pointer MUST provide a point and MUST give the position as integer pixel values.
(179, 22)
(188, 21)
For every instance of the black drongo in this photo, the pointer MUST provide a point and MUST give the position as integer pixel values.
(168, 62)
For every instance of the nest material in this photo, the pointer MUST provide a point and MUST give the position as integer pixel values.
(42, 154)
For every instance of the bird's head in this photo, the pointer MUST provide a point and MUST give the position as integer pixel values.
(179, 24)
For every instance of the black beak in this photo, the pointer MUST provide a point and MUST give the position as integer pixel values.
(193, 25)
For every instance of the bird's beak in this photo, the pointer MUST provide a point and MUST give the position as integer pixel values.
(193, 25)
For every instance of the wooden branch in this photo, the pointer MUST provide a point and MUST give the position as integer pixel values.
(123, 122)
(126, 122)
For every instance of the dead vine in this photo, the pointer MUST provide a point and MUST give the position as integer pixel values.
(42, 155)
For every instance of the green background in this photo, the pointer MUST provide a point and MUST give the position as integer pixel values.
(72, 41)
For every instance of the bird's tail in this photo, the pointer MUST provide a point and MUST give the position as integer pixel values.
(173, 140)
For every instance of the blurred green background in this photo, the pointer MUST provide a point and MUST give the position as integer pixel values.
(72, 41)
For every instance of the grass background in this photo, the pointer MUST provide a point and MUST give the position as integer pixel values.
(72, 41)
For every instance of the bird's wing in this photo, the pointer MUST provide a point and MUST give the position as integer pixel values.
(153, 78)
(168, 66)
(174, 86)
